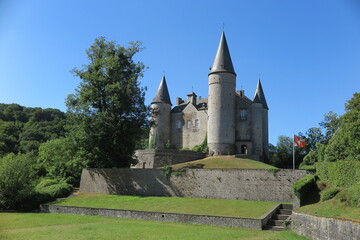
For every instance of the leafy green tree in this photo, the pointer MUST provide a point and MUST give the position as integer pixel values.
(43, 125)
(9, 137)
(108, 105)
(331, 123)
(16, 181)
(61, 159)
(312, 136)
(345, 143)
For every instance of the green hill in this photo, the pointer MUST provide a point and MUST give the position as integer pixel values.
(223, 162)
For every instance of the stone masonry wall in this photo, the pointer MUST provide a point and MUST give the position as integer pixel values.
(321, 228)
(158, 216)
(155, 158)
(256, 185)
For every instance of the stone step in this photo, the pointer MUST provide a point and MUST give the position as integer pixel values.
(275, 222)
(279, 217)
(286, 206)
(285, 211)
(273, 228)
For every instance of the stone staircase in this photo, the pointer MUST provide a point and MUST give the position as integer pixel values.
(277, 221)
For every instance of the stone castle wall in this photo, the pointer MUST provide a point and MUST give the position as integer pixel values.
(155, 158)
(256, 185)
(319, 228)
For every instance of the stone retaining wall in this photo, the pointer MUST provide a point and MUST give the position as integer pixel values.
(155, 158)
(321, 228)
(159, 216)
(255, 185)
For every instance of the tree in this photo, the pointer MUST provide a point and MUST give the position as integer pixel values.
(330, 123)
(60, 159)
(345, 143)
(313, 136)
(16, 181)
(108, 105)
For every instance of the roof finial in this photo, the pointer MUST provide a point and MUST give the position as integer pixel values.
(163, 73)
(259, 75)
(223, 27)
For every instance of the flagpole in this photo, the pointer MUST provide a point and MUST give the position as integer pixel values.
(294, 151)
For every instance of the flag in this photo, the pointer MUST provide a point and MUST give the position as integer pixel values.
(299, 142)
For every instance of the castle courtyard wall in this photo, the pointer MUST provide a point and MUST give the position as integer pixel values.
(321, 228)
(155, 158)
(255, 185)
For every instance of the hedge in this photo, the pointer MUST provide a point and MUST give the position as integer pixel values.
(341, 174)
(304, 187)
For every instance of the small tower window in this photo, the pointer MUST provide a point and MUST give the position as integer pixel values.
(178, 124)
(243, 114)
(188, 124)
(196, 123)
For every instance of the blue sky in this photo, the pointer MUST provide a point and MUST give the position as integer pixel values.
(306, 52)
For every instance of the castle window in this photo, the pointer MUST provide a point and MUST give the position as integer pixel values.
(243, 114)
(188, 124)
(178, 124)
(196, 123)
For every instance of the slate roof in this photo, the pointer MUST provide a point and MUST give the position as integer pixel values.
(162, 94)
(222, 61)
(260, 96)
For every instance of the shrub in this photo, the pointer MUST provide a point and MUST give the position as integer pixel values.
(350, 196)
(310, 168)
(17, 182)
(341, 174)
(304, 188)
(328, 194)
(53, 189)
(201, 147)
(167, 171)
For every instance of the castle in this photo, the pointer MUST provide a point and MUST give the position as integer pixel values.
(231, 122)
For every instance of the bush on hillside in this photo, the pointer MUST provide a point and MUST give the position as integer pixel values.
(53, 189)
(341, 174)
(350, 196)
(328, 194)
(17, 181)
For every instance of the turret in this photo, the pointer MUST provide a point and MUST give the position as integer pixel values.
(260, 130)
(221, 102)
(160, 108)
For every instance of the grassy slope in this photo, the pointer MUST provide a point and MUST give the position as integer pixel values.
(61, 226)
(217, 207)
(227, 162)
(331, 208)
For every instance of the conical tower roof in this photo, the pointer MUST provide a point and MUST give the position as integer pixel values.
(162, 94)
(222, 61)
(260, 96)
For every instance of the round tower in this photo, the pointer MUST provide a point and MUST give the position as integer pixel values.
(260, 131)
(160, 116)
(221, 102)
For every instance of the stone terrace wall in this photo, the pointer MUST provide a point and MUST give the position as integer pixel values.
(158, 216)
(256, 185)
(155, 158)
(321, 228)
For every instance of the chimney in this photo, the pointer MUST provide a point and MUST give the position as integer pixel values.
(192, 98)
(179, 101)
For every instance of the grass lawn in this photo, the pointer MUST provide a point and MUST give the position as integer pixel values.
(41, 226)
(200, 206)
(331, 208)
(227, 162)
